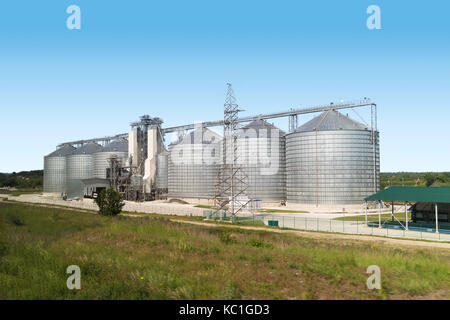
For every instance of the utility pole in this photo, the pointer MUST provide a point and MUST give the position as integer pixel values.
(231, 178)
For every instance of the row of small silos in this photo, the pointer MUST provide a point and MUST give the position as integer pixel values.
(66, 168)
(329, 160)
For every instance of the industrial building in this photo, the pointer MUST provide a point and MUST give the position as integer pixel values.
(430, 209)
(331, 159)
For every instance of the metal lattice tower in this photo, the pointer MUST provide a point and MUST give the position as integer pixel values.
(231, 178)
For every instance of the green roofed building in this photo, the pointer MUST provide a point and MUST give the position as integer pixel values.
(430, 204)
(413, 194)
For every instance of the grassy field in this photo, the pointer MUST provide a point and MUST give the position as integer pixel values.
(374, 217)
(155, 258)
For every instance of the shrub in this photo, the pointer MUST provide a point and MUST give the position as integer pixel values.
(110, 202)
(258, 243)
(15, 220)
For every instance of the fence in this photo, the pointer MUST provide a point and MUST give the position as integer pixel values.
(335, 226)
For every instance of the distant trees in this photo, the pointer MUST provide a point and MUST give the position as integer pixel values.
(22, 180)
(110, 202)
(431, 178)
(428, 179)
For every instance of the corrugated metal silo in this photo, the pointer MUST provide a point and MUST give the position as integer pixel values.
(162, 170)
(261, 154)
(193, 165)
(331, 160)
(55, 171)
(118, 148)
(80, 166)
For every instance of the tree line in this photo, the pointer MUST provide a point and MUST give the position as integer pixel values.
(422, 179)
(22, 180)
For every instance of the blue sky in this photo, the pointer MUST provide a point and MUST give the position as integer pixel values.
(172, 59)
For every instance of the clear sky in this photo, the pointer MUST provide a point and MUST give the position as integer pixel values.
(172, 59)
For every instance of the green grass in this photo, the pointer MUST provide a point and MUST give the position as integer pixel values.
(374, 217)
(243, 221)
(152, 257)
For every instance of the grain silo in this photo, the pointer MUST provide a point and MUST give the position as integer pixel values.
(116, 148)
(55, 171)
(261, 154)
(80, 166)
(162, 170)
(332, 159)
(193, 165)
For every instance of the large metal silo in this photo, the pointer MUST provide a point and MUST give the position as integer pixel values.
(193, 165)
(162, 170)
(261, 154)
(332, 159)
(116, 148)
(80, 166)
(55, 171)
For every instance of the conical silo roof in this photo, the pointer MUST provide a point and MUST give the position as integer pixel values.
(329, 121)
(116, 146)
(88, 148)
(62, 152)
(262, 124)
